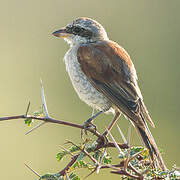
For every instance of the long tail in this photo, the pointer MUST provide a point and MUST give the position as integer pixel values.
(151, 145)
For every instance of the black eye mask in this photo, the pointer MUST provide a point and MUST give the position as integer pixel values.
(79, 31)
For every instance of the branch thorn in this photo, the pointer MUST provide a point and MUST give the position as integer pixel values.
(122, 135)
(45, 109)
(32, 170)
(116, 145)
(27, 110)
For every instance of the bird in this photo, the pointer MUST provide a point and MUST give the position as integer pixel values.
(104, 77)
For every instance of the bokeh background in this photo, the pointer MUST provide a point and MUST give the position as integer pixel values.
(149, 30)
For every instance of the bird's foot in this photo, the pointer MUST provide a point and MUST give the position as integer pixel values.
(103, 140)
(88, 125)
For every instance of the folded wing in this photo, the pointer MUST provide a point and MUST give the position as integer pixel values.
(110, 70)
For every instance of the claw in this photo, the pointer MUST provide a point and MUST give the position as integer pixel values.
(88, 125)
(103, 140)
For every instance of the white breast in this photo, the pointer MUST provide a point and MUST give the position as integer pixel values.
(82, 86)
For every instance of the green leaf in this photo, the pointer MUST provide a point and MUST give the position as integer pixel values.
(63, 153)
(136, 149)
(51, 177)
(161, 150)
(107, 159)
(40, 112)
(48, 177)
(97, 154)
(74, 149)
(81, 164)
(28, 121)
(37, 113)
(60, 155)
(81, 156)
(145, 154)
(73, 176)
(91, 147)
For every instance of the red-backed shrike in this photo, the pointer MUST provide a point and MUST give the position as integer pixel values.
(104, 77)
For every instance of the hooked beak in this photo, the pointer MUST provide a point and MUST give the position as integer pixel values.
(61, 33)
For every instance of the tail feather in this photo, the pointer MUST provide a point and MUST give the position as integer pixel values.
(146, 141)
(151, 145)
(146, 113)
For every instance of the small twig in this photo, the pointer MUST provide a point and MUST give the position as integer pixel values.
(89, 174)
(85, 152)
(122, 172)
(135, 155)
(98, 169)
(126, 162)
(105, 151)
(148, 168)
(111, 144)
(32, 170)
(135, 170)
(66, 150)
(73, 160)
(51, 120)
(115, 166)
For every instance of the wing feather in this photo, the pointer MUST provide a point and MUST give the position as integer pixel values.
(110, 70)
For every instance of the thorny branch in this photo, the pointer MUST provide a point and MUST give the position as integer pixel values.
(74, 158)
(124, 167)
(65, 123)
(48, 119)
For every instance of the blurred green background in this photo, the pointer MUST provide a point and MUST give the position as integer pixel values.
(148, 30)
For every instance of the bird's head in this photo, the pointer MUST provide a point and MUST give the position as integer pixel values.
(82, 30)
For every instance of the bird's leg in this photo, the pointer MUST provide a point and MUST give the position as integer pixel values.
(94, 116)
(88, 123)
(93, 111)
(104, 138)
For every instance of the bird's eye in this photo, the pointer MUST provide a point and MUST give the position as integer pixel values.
(76, 30)
(68, 29)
